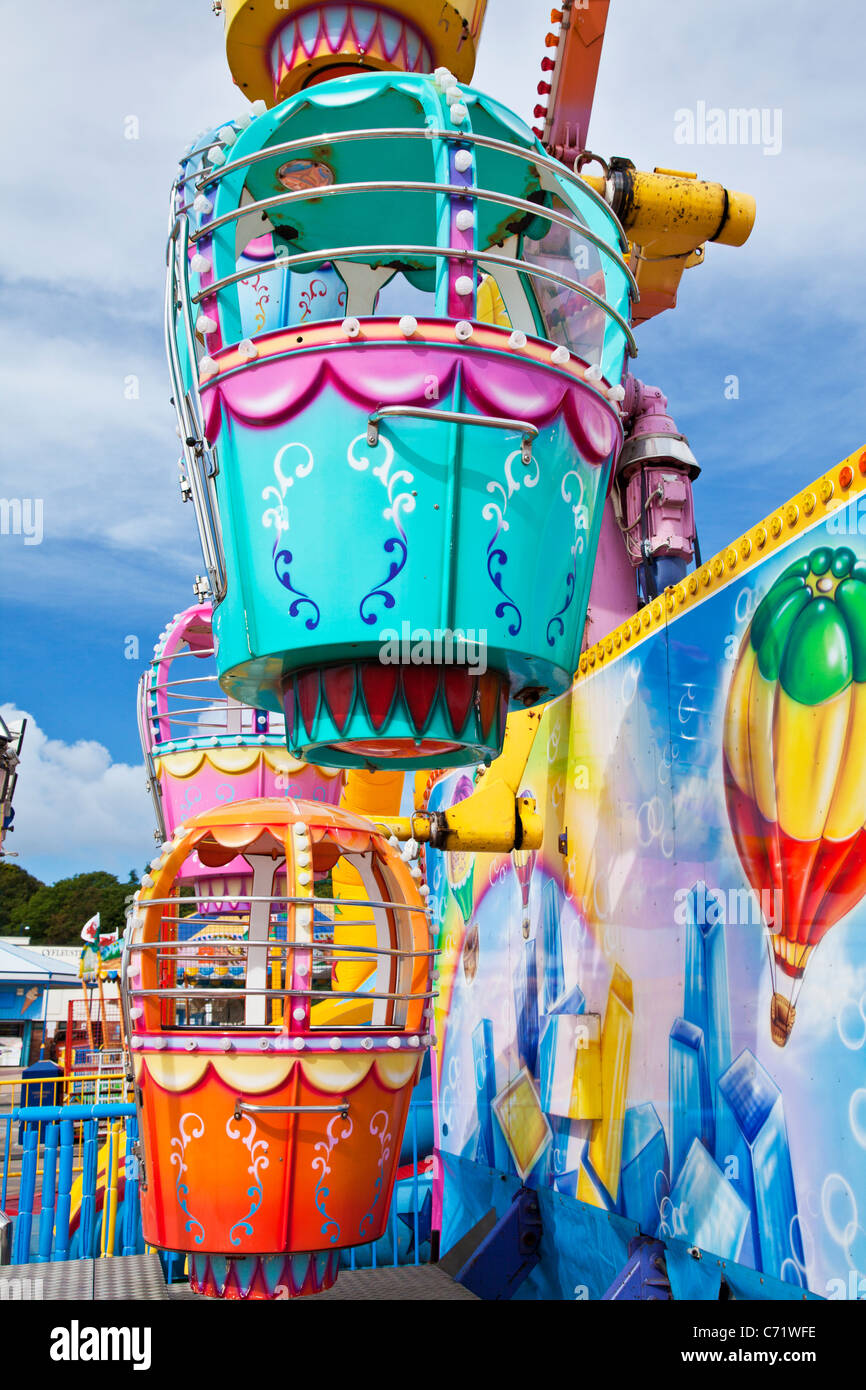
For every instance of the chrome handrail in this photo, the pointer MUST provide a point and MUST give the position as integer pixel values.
(242, 1108)
(335, 253)
(483, 195)
(457, 417)
(341, 137)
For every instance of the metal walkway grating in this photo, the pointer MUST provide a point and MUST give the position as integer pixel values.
(135, 1277)
(405, 1283)
(139, 1278)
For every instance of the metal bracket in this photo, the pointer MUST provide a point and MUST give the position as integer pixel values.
(527, 431)
(505, 1257)
(644, 1277)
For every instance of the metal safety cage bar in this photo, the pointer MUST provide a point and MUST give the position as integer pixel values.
(197, 992)
(187, 705)
(431, 252)
(144, 732)
(143, 905)
(232, 945)
(176, 656)
(530, 156)
(199, 459)
(484, 195)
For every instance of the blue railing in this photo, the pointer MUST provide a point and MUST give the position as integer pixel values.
(52, 1127)
(47, 1229)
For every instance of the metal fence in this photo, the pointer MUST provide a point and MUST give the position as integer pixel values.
(91, 1086)
(105, 1216)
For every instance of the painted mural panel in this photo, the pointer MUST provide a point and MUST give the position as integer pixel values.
(661, 1014)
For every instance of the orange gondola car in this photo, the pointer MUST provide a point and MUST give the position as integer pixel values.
(273, 1073)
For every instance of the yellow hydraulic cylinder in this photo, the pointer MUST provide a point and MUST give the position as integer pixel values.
(669, 215)
(495, 819)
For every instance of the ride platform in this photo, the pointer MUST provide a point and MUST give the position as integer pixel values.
(140, 1277)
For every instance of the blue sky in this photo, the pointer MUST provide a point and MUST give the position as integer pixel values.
(81, 285)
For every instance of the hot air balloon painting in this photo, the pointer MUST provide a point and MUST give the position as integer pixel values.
(795, 760)
(524, 862)
(460, 872)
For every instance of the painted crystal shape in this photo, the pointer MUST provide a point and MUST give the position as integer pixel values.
(704, 1209)
(752, 1147)
(645, 1177)
(691, 1106)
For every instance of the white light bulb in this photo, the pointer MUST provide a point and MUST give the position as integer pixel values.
(247, 348)
(227, 135)
(463, 330)
(463, 161)
(464, 220)
(464, 284)
(200, 264)
(616, 394)
(351, 328)
(517, 339)
(216, 155)
(560, 356)
(205, 324)
(202, 205)
(408, 325)
(594, 373)
(259, 107)
(458, 113)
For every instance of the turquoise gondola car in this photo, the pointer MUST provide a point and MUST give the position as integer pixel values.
(393, 325)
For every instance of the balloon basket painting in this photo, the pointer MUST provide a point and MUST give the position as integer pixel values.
(676, 1048)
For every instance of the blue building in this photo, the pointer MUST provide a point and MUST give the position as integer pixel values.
(25, 977)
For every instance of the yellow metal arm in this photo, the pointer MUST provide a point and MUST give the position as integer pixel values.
(495, 818)
(669, 215)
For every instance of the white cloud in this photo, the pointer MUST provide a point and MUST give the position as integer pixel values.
(75, 809)
(660, 56)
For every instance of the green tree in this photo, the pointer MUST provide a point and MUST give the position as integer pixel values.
(16, 889)
(56, 912)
